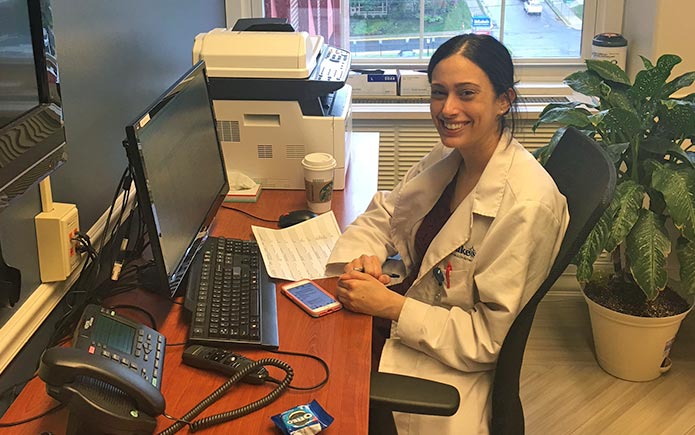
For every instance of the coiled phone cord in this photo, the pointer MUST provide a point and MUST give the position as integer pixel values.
(236, 413)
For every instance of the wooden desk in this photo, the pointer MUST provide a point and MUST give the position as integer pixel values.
(342, 339)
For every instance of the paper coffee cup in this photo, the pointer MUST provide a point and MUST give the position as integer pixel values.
(319, 169)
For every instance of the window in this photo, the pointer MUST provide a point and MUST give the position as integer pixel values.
(530, 29)
(548, 38)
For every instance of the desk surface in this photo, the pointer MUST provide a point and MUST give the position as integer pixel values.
(342, 339)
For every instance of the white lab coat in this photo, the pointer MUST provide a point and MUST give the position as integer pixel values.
(500, 242)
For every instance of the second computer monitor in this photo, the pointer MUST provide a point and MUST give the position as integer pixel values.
(179, 174)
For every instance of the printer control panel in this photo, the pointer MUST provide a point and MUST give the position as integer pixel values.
(335, 65)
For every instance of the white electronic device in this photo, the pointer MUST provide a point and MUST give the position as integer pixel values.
(277, 96)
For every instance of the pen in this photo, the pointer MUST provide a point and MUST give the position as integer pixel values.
(361, 269)
(448, 274)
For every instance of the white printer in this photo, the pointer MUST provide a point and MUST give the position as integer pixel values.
(277, 96)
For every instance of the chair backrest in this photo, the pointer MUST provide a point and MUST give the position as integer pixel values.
(584, 174)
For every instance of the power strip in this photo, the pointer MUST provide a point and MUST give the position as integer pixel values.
(55, 231)
(56, 226)
(32, 312)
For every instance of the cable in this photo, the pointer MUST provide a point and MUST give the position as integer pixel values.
(229, 207)
(36, 417)
(63, 325)
(12, 387)
(306, 355)
(120, 250)
(236, 413)
(177, 420)
(85, 290)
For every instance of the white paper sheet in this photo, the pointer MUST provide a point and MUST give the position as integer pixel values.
(300, 251)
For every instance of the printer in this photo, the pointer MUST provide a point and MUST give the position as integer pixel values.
(277, 96)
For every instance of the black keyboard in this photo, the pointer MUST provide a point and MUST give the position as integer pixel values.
(230, 296)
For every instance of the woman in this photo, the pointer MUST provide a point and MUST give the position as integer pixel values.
(477, 224)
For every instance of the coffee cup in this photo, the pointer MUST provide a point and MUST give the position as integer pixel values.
(319, 170)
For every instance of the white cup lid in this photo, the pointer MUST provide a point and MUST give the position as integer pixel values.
(318, 161)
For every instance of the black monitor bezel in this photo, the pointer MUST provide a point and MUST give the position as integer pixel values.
(35, 139)
(163, 281)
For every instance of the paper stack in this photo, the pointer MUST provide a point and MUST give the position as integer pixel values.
(250, 194)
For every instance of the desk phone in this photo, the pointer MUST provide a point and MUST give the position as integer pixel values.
(110, 378)
(103, 332)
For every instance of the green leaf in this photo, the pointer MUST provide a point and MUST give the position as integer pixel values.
(618, 124)
(678, 187)
(578, 117)
(626, 205)
(542, 154)
(680, 82)
(584, 82)
(659, 148)
(685, 250)
(608, 71)
(646, 62)
(676, 118)
(619, 98)
(592, 248)
(615, 151)
(553, 106)
(647, 247)
(649, 82)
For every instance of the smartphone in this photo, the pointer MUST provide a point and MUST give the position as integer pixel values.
(311, 297)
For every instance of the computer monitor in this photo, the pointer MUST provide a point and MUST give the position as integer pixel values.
(32, 134)
(179, 174)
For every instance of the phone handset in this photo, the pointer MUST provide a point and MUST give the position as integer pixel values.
(70, 374)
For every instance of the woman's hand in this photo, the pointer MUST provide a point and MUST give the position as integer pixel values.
(369, 264)
(362, 293)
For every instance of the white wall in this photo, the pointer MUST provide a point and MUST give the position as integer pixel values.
(235, 9)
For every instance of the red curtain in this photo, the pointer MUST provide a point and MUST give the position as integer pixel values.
(317, 17)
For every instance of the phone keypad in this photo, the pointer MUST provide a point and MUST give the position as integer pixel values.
(141, 350)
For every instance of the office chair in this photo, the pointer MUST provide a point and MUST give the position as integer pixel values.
(586, 176)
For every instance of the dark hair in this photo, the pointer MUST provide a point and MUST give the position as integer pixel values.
(489, 54)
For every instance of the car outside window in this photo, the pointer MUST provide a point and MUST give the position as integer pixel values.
(390, 33)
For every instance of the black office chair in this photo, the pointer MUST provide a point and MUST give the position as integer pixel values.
(586, 176)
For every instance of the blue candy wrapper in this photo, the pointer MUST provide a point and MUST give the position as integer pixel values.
(303, 419)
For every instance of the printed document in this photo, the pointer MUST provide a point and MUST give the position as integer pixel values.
(300, 251)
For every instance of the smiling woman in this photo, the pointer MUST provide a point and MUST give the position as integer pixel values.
(462, 222)
(469, 107)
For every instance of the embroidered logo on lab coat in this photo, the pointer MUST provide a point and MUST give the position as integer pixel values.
(465, 253)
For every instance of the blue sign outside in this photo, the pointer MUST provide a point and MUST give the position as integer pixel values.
(481, 22)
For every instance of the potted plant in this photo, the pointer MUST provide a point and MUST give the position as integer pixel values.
(648, 133)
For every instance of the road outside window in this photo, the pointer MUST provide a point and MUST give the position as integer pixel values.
(404, 29)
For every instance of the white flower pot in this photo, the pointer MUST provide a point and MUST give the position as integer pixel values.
(631, 347)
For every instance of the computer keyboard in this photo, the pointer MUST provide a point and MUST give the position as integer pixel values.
(230, 296)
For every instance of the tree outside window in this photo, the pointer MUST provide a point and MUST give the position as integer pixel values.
(393, 29)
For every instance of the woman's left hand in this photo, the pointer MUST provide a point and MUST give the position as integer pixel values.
(362, 293)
